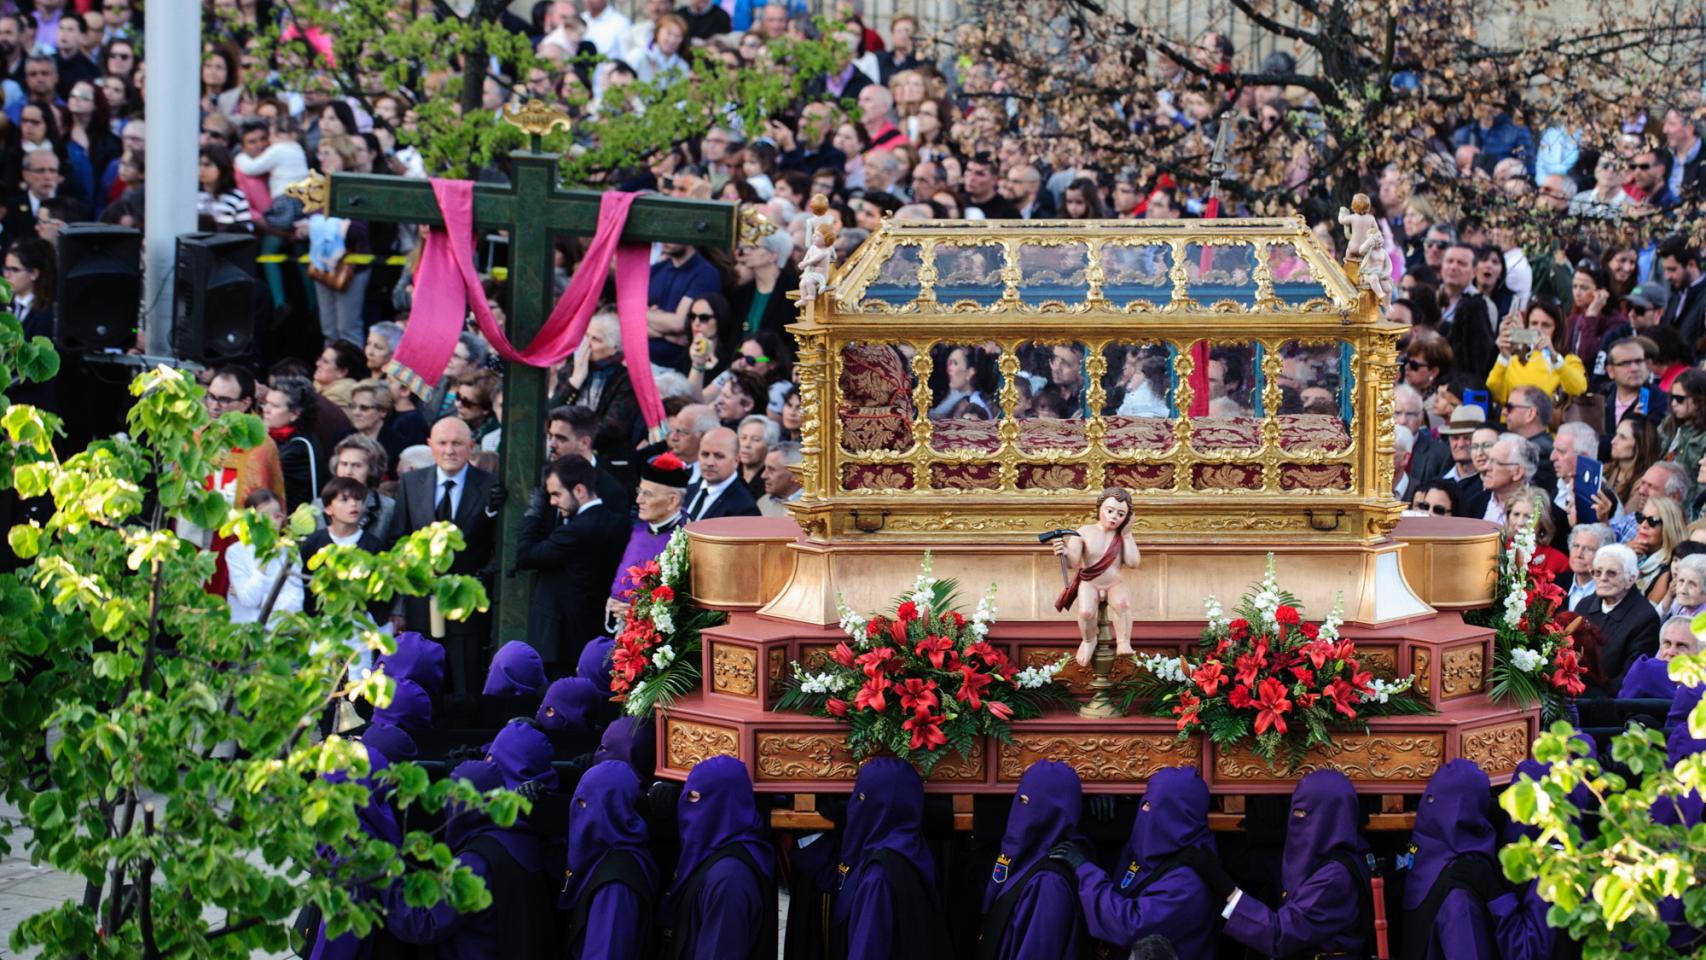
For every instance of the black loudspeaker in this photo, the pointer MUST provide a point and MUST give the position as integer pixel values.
(213, 315)
(100, 287)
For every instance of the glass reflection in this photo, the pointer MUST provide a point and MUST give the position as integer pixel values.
(1139, 381)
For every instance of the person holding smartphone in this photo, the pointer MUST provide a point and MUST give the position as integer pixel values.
(1532, 354)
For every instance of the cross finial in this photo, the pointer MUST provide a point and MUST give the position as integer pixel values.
(536, 119)
(754, 225)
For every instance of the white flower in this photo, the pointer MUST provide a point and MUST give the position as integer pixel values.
(672, 563)
(1330, 627)
(663, 656)
(851, 622)
(1216, 616)
(984, 615)
(1382, 690)
(1525, 659)
(661, 619)
(1516, 604)
(1171, 669)
(820, 682)
(1031, 678)
(923, 588)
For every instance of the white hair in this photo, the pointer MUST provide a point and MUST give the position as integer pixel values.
(416, 457)
(1403, 439)
(779, 244)
(670, 383)
(1582, 437)
(1622, 555)
(1407, 391)
(609, 325)
(772, 429)
(1695, 563)
(1601, 534)
(1523, 453)
(1683, 624)
(793, 456)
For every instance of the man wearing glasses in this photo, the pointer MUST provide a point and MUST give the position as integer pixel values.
(1646, 307)
(239, 472)
(1629, 394)
(1459, 434)
(1510, 466)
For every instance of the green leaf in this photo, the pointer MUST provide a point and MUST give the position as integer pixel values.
(37, 360)
(1617, 897)
(25, 540)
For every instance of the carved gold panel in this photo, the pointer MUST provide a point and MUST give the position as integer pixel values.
(1362, 757)
(1102, 758)
(1461, 672)
(1419, 660)
(690, 742)
(1497, 749)
(777, 670)
(734, 670)
(826, 756)
(1380, 661)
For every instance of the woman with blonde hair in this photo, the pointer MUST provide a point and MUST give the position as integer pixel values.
(1526, 504)
(1658, 528)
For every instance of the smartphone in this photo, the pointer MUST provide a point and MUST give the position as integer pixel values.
(1525, 338)
(1590, 476)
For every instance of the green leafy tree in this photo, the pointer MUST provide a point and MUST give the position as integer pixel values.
(1619, 888)
(165, 755)
(437, 60)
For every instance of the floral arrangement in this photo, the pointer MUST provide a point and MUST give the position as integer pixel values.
(924, 682)
(656, 657)
(1534, 658)
(1269, 678)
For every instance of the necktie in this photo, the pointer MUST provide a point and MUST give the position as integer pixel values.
(698, 501)
(444, 512)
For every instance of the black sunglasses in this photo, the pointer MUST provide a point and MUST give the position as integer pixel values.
(696, 315)
(1435, 509)
(1648, 520)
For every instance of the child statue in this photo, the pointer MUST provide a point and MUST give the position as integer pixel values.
(1108, 540)
(1374, 272)
(1358, 224)
(814, 266)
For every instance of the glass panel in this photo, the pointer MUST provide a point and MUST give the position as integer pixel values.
(1221, 272)
(1138, 388)
(965, 397)
(969, 273)
(1051, 396)
(875, 404)
(1053, 272)
(1314, 396)
(1226, 389)
(1292, 281)
(896, 281)
(1133, 272)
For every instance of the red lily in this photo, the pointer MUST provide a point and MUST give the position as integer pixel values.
(877, 661)
(871, 695)
(1318, 653)
(1344, 697)
(972, 684)
(1303, 674)
(1209, 676)
(992, 658)
(999, 710)
(836, 706)
(842, 655)
(1249, 665)
(918, 696)
(1567, 676)
(1271, 695)
(1187, 709)
(935, 648)
(926, 731)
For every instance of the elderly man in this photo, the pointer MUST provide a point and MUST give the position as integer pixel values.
(1650, 676)
(1510, 465)
(781, 486)
(718, 492)
(1431, 456)
(1403, 444)
(663, 482)
(1577, 472)
(1459, 433)
(1627, 622)
(876, 115)
(1528, 414)
(464, 495)
(1585, 540)
(1664, 478)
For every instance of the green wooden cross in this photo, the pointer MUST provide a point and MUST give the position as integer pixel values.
(534, 210)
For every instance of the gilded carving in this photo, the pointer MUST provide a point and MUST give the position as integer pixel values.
(1409, 756)
(734, 670)
(1497, 749)
(1107, 758)
(1419, 659)
(826, 756)
(1460, 672)
(1380, 661)
(690, 742)
(776, 669)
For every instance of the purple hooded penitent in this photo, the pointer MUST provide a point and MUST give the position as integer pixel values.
(1321, 911)
(1452, 819)
(886, 812)
(392, 741)
(604, 818)
(570, 704)
(1177, 905)
(523, 755)
(1045, 921)
(630, 740)
(410, 708)
(726, 914)
(416, 658)
(1648, 677)
(594, 662)
(516, 671)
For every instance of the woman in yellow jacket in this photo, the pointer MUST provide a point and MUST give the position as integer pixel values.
(1531, 354)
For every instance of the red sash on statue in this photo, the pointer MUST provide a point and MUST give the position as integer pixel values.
(1069, 596)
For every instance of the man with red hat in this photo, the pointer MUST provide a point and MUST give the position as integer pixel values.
(663, 482)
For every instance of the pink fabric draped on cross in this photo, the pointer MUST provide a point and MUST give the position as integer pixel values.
(446, 286)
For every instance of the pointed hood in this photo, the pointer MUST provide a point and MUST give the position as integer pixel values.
(523, 755)
(516, 671)
(464, 825)
(594, 662)
(570, 704)
(1324, 817)
(1045, 812)
(1452, 819)
(885, 812)
(1173, 816)
(632, 741)
(605, 817)
(716, 808)
(390, 740)
(416, 658)
(410, 708)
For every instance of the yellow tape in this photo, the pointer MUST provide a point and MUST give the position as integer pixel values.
(360, 259)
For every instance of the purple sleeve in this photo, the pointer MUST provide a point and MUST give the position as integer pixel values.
(731, 911)
(428, 925)
(1171, 906)
(1320, 909)
(1042, 926)
(1519, 925)
(870, 917)
(1461, 929)
(611, 930)
(816, 860)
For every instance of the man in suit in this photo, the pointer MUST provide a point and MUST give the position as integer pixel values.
(718, 492)
(572, 432)
(1687, 306)
(1466, 316)
(469, 497)
(575, 546)
(1631, 392)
